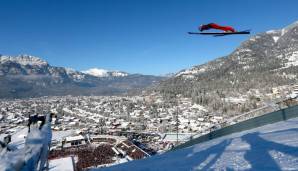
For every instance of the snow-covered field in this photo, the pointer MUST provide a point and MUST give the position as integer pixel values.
(271, 147)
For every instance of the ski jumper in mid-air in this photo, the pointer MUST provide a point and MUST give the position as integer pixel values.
(225, 30)
(216, 26)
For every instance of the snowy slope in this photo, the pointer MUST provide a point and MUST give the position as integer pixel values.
(271, 147)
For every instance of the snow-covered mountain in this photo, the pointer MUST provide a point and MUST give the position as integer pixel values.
(265, 60)
(277, 49)
(252, 71)
(104, 73)
(28, 76)
(23, 60)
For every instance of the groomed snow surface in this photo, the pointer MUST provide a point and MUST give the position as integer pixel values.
(269, 148)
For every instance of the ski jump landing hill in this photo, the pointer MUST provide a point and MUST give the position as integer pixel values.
(267, 142)
(33, 156)
(280, 115)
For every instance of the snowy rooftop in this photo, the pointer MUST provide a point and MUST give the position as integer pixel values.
(74, 138)
(59, 135)
(271, 147)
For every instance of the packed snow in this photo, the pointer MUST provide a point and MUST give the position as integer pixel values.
(61, 164)
(270, 147)
(18, 139)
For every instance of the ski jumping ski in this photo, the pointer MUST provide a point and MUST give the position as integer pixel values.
(228, 30)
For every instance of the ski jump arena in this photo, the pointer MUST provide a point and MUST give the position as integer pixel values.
(35, 152)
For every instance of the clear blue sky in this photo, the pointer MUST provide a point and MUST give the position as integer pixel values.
(137, 36)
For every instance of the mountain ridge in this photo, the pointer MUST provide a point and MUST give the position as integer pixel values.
(29, 76)
(264, 61)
